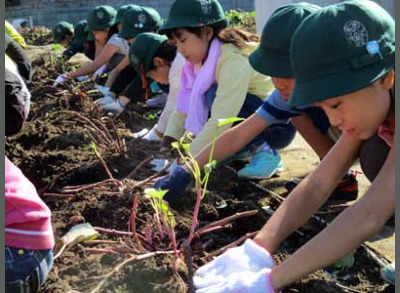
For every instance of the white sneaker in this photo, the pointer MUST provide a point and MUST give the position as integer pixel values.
(157, 102)
(152, 135)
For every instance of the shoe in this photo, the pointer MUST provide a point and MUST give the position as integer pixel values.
(157, 102)
(108, 99)
(388, 273)
(116, 107)
(243, 156)
(153, 135)
(346, 190)
(263, 165)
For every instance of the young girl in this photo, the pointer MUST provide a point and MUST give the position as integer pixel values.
(217, 80)
(156, 58)
(63, 33)
(343, 59)
(101, 23)
(29, 237)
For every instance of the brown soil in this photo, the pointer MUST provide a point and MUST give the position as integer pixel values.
(54, 151)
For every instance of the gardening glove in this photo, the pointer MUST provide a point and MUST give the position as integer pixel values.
(99, 72)
(102, 89)
(107, 99)
(175, 182)
(61, 79)
(243, 282)
(248, 257)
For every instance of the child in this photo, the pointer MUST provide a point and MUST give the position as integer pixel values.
(272, 58)
(29, 238)
(101, 23)
(63, 33)
(124, 82)
(329, 50)
(217, 80)
(156, 58)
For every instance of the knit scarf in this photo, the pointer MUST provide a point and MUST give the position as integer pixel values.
(195, 82)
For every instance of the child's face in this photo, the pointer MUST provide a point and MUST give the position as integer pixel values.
(284, 86)
(160, 72)
(119, 27)
(193, 48)
(67, 41)
(360, 113)
(101, 36)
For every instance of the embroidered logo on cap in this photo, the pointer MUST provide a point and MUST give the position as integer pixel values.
(142, 18)
(356, 33)
(205, 6)
(59, 30)
(135, 60)
(100, 15)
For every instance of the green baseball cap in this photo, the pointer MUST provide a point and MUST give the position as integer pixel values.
(341, 49)
(195, 13)
(61, 30)
(80, 34)
(139, 20)
(100, 18)
(122, 10)
(142, 51)
(272, 57)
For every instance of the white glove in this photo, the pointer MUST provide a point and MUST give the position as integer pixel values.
(61, 79)
(99, 72)
(243, 282)
(249, 257)
(108, 99)
(102, 89)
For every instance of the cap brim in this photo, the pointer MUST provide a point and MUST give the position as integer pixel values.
(339, 84)
(170, 24)
(90, 37)
(271, 64)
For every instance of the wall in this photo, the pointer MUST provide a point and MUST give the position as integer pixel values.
(49, 12)
(264, 8)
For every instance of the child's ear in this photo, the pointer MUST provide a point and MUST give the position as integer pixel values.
(158, 62)
(208, 33)
(388, 80)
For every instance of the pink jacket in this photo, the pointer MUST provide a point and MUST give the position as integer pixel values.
(27, 218)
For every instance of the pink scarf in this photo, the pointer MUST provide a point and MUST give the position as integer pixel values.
(195, 83)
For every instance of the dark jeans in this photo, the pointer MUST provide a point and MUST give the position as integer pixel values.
(373, 155)
(26, 270)
(277, 136)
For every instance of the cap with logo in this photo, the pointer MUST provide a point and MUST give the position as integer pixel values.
(142, 51)
(341, 49)
(272, 57)
(100, 18)
(61, 30)
(195, 13)
(139, 20)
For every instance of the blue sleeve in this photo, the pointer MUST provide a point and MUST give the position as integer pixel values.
(275, 109)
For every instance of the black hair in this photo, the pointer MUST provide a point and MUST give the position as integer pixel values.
(167, 52)
(227, 35)
(113, 30)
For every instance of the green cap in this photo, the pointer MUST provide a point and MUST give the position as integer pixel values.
(80, 34)
(341, 49)
(122, 10)
(139, 20)
(272, 57)
(61, 30)
(142, 51)
(100, 18)
(195, 13)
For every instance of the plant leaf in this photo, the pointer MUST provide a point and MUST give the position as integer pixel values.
(222, 122)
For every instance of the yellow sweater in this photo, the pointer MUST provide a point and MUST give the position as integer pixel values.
(235, 79)
(14, 34)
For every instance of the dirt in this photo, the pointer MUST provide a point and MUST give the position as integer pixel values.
(55, 152)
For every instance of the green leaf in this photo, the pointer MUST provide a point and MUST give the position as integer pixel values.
(153, 193)
(57, 47)
(175, 145)
(185, 147)
(346, 263)
(222, 122)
